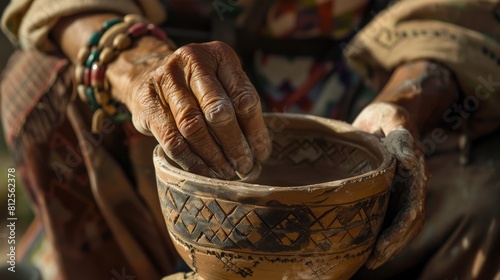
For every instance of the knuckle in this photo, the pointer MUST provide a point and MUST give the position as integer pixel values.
(174, 143)
(200, 74)
(187, 51)
(245, 100)
(161, 73)
(223, 51)
(194, 62)
(167, 83)
(170, 84)
(166, 75)
(191, 124)
(404, 133)
(219, 112)
(220, 46)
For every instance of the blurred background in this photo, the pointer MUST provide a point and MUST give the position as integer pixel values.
(23, 211)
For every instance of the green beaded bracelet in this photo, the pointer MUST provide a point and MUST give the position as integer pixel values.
(103, 47)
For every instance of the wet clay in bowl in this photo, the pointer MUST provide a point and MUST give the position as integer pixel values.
(314, 212)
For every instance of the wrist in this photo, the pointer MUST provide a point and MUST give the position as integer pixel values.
(118, 38)
(133, 66)
(423, 88)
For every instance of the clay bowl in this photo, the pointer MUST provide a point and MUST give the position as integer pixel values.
(314, 213)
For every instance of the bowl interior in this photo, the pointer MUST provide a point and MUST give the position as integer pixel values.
(305, 157)
(309, 150)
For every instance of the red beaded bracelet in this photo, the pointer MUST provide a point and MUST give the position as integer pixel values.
(115, 36)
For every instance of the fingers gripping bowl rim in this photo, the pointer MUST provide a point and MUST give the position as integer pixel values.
(314, 212)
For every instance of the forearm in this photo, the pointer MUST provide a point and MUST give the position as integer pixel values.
(424, 88)
(73, 33)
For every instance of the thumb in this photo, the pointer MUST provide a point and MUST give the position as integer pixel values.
(400, 143)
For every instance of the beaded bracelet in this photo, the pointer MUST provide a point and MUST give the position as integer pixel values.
(115, 36)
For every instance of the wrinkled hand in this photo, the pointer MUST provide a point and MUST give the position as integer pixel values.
(461, 236)
(201, 107)
(406, 206)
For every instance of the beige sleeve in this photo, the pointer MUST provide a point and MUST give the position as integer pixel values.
(463, 35)
(28, 22)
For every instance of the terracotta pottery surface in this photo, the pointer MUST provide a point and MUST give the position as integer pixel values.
(314, 212)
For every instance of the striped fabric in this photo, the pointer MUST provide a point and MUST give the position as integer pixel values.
(27, 77)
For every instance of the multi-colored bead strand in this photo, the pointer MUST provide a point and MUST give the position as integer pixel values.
(115, 36)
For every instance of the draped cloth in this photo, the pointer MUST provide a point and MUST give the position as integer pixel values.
(94, 193)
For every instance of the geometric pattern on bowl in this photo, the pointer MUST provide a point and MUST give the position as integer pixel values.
(219, 223)
(314, 212)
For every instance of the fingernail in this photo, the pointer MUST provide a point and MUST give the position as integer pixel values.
(213, 175)
(244, 165)
(253, 175)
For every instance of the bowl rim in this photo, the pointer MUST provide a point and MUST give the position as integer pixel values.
(388, 161)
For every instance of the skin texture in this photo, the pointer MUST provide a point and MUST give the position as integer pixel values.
(204, 111)
(460, 238)
(201, 107)
(196, 101)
